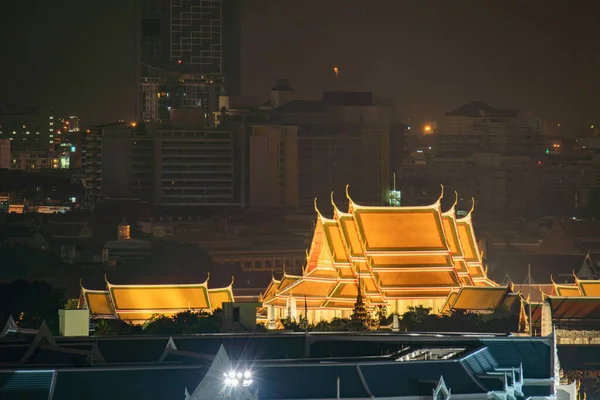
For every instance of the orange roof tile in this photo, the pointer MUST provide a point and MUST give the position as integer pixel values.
(572, 290)
(451, 231)
(460, 266)
(413, 293)
(350, 234)
(98, 303)
(400, 229)
(476, 271)
(335, 241)
(409, 260)
(589, 288)
(310, 288)
(219, 296)
(479, 298)
(345, 290)
(449, 301)
(160, 298)
(399, 279)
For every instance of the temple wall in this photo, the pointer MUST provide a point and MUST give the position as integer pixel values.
(573, 336)
(401, 306)
(546, 319)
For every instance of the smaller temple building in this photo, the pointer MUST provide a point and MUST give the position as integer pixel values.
(135, 303)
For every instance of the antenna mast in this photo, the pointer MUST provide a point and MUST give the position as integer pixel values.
(529, 299)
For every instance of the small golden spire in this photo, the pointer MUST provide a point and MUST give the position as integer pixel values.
(472, 206)
(455, 199)
(316, 208)
(441, 194)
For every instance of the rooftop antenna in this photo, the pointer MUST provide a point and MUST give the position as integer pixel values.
(529, 299)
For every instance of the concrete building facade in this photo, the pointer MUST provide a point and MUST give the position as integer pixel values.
(165, 165)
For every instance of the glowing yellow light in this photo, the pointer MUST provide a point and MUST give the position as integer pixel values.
(427, 128)
(592, 127)
(133, 124)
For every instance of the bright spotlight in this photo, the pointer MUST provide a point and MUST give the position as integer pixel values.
(235, 379)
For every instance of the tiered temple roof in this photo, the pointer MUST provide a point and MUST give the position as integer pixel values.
(581, 288)
(391, 253)
(137, 303)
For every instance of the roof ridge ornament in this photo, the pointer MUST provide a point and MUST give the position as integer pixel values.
(441, 194)
(455, 199)
(472, 206)
(351, 203)
(316, 208)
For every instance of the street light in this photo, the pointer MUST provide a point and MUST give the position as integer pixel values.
(236, 378)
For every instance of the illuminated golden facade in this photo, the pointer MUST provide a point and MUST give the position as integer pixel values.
(137, 303)
(398, 256)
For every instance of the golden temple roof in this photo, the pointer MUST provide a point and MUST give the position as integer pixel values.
(135, 303)
(581, 288)
(397, 252)
(472, 298)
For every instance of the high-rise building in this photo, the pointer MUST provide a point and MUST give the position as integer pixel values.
(483, 152)
(5, 159)
(165, 165)
(28, 128)
(189, 54)
(302, 149)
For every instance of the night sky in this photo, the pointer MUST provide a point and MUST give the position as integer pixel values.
(542, 57)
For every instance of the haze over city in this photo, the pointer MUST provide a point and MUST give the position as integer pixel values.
(537, 56)
(299, 200)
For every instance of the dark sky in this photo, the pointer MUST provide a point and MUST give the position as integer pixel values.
(432, 56)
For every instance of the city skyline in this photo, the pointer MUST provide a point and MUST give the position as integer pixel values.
(539, 58)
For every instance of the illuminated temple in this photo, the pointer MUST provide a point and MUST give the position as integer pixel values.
(395, 256)
(137, 303)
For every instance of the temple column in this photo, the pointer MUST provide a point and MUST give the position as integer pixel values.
(271, 317)
(395, 323)
(291, 308)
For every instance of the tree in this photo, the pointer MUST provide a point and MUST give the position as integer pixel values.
(109, 327)
(185, 322)
(30, 303)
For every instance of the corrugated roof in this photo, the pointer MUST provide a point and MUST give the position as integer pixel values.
(134, 383)
(417, 378)
(535, 354)
(26, 384)
(309, 382)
